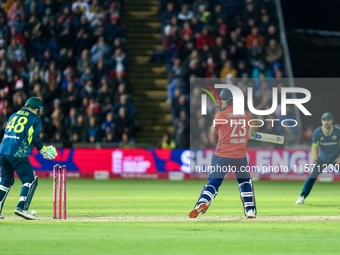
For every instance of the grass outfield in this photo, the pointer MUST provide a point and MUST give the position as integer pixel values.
(150, 217)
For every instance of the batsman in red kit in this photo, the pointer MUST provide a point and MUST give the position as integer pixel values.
(230, 154)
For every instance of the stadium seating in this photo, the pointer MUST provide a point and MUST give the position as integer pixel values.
(72, 56)
(219, 39)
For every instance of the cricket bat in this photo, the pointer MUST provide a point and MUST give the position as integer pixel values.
(267, 138)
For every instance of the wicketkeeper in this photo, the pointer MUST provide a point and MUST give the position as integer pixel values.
(22, 132)
(230, 151)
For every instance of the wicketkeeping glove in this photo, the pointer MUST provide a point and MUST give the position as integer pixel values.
(49, 152)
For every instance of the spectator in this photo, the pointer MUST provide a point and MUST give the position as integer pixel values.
(187, 30)
(109, 138)
(105, 96)
(84, 62)
(255, 53)
(172, 43)
(289, 131)
(114, 9)
(94, 15)
(251, 13)
(78, 131)
(194, 70)
(126, 142)
(56, 130)
(261, 68)
(45, 59)
(178, 104)
(185, 13)
(264, 24)
(71, 119)
(167, 142)
(168, 14)
(124, 124)
(82, 43)
(18, 24)
(198, 3)
(218, 14)
(108, 125)
(196, 26)
(274, 52)
(181, 131)
(33, 30)
(100, 71)
(70, 96)
(239, 51)
(68, 59)
(3, 44)
(15, 48)
(93, 131)
(18, 102)
(18, 65)
(82, 5)
(86, 76)
(308, 135)
(242, 69)
(52, 73)
(205, 38)
(13, 11)
(122, 89)
(263, 96)
(99, 29)
(272, 34)
(101, 48)
(4, 86)
(88, 91)
(38, 91)
(130, 110)
(227, 69)
(176, 71)
(6, 69)
(254, 35)
(119, 62)
(113, 30)
(219, 45)
(173, 86)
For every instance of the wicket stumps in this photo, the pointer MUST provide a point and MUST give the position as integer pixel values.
(61, 172)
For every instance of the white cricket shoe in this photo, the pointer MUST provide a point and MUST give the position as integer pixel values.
(300, 200)
(251, 214)
(2, 216)
(24, 214)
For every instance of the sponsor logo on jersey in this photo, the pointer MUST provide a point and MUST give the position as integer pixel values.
(334, 138)
(333, 143)
(321, 138)
(11, 136)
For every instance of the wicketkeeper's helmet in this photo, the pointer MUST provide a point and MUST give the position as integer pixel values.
(35, 102)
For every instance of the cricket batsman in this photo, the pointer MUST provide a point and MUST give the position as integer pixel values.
(230, 153)
(327, 138)
(22, 132)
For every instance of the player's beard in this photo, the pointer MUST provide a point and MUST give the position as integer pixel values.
(225, 104)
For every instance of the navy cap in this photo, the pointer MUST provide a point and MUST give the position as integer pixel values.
(327, 115)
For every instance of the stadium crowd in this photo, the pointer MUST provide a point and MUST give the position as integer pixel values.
(71, 55)
(234, 41)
